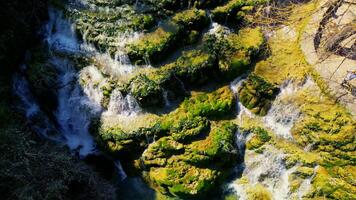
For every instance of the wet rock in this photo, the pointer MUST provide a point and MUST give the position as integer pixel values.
(257, 95)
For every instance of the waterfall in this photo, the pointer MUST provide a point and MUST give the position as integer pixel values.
(166, 100)
(29, 106)
(76, 109)
(241, 110)
(80, 94)
(267, 169)
(123, 105)
(284, 112)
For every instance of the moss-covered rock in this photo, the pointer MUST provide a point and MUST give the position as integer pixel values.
(124, 145)
(193, 67)
(235, 52)
(234, 10)
(190, 155)
(154, 46)
(257, 95)
(258, 139)
(304, 172)
(330, 187)
(104, 27)
(190, 170)
(331, 133)
(147, 92)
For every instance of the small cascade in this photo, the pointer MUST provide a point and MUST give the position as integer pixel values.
(218, 29)
(267, 169)
(167, 103)
(241, 110)
(75, 110)
(92, 82)
(80, 95)
(60, 34)
(284, 112)
(122, 105)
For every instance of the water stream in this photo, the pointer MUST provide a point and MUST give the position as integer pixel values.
(268, 168)
(80, 94)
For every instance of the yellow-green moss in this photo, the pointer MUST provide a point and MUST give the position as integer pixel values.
(258, 192)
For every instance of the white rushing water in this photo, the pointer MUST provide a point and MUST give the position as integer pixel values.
(268, 169)
(80, 94)
(284, 112)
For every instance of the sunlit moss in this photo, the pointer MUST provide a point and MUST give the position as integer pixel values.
(258, 139)
(156, 45)
(257, 94)
(258, 192)
(327, 186)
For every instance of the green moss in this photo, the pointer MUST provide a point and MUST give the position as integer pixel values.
(219, 145)
(249, 39)
(104, 28)
(188, 129)
(218, 104)
(235, 52)
(214, 105)
(193, 67)
(146, 91)
(259, 138)
(126, 145)
(156, 45)
(332, 188)
(258, 192)
(304, 172)
(233, 10)
(173, 167)
(151, 46)
(257, 95)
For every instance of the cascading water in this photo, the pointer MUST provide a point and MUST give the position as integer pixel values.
(268, 168)
(122, 105)
(284, 113)
(80, 93)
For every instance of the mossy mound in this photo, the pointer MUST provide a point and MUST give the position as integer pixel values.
(146, 91)
(193, 169)
(333, 184)
(258, 139)
(235, 52)
(193, 67)
(184, 139)
(257, 94)
(329, 128)
(222, 58)
(234, 10)
(104, 27)
(156, 45)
